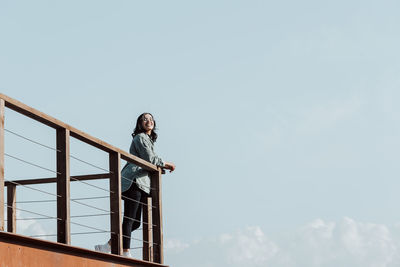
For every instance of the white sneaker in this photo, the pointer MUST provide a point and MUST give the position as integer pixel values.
(106, 248)
(127, 254)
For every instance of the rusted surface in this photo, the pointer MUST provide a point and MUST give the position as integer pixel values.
(20, 251)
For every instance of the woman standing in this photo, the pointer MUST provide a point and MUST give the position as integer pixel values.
(135, 181)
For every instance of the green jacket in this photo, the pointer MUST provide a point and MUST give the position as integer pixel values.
(143, 147)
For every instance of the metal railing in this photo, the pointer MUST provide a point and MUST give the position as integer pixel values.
(152, 230)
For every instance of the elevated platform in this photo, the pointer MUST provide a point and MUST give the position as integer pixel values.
(21, 251)
(18, 250)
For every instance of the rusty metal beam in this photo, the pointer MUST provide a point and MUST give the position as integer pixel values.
(18, 250)
(54, 180)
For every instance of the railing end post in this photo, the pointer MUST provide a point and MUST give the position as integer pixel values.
(158, 246)
(2, 105)
(63, 186)
(115, 203)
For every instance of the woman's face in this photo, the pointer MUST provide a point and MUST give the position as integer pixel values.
(148, 123)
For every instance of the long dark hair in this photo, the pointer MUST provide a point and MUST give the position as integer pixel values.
(139, 129)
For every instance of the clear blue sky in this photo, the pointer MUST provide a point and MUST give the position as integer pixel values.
(282, 117)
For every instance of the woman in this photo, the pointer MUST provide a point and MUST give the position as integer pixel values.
(135, 181)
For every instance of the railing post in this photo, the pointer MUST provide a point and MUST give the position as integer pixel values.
(63, 187)
(158, 253)
(148, 231)
(2, 104)
(11, 209)
(115, 203)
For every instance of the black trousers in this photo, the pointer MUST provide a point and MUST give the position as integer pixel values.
(133, 199)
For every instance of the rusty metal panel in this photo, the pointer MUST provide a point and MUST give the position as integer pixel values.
(20, 251)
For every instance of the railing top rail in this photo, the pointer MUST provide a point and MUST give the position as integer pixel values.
(84, 137)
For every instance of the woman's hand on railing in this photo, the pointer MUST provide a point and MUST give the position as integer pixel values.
(169, 166)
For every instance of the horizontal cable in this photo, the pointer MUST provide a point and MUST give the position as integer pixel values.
(85, 198)
(33, 141)
(32, 219)
(36, 201)
(89, 215)
(86, 233)
(53, 200)
(137, 201)
(95, 186)
(42, 235)
(72, 216)
(137, 239)
(35, 189)
(90, 164)
(90, 206)
(90, 227)
(74, 200)
(132, 219)
(30, 163)
(48, 217)
(136, 248)
(78, 233)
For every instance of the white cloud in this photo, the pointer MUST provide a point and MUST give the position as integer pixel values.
(175, 245)
(32, 228)
(346, 243)
(249, 246)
